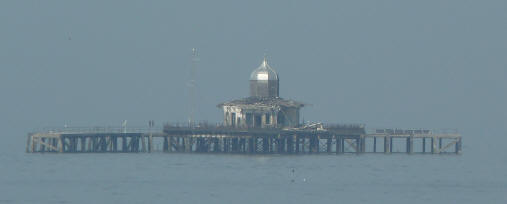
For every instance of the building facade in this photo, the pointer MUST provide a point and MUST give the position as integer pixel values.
(263, 108)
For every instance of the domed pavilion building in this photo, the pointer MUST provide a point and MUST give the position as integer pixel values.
(264, 108)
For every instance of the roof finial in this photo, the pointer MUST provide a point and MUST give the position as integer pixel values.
(265, 61)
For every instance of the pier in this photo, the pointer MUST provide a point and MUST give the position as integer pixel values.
(263, 123)
(316, 139)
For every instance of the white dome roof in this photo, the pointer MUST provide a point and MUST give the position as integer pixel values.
(264, 72)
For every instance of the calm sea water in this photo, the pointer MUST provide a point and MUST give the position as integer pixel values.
(477, 176)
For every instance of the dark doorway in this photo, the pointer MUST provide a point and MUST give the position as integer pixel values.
(233, 119)
(258, 121)
(249, 120)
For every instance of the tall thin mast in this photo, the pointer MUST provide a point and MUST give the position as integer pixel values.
(192, 87)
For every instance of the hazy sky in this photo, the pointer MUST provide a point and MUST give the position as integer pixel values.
(430, 64)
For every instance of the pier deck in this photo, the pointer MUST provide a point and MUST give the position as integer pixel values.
(253, 141)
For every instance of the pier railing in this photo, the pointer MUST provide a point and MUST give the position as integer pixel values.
(107, 129)
(411, 131)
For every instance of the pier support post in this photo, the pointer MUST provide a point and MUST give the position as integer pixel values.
(216, 145)
(314, 144)
(188, 144)
(235, 145)
(297, 143)
(440, 144)
(390, 144)
(303, 144)
(265, 144)
(143, 144)
(272, 144)
(374, 144)
(362, 144)
(328, 145)
(28, 143)
(424, 144)
(42, 148)
(256, 145)
(113, 141)
(342, 145)
(250, 145)
(60, 144)
(458, 146)
(410, 144)
(150, 143)
(123, 143)
(358, 145)
(434, 147)
(165, 146)
(338, 144)
(387, 142)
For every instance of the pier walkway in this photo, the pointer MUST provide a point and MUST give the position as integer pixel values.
(337, 139)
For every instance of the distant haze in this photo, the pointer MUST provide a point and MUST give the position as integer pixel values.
(428, 64)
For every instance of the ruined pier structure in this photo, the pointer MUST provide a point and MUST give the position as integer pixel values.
(263, 123)
(337, 139)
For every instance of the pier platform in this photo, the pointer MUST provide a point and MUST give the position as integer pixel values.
(316, 139)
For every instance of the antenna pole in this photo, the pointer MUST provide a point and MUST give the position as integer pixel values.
(192, 86)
